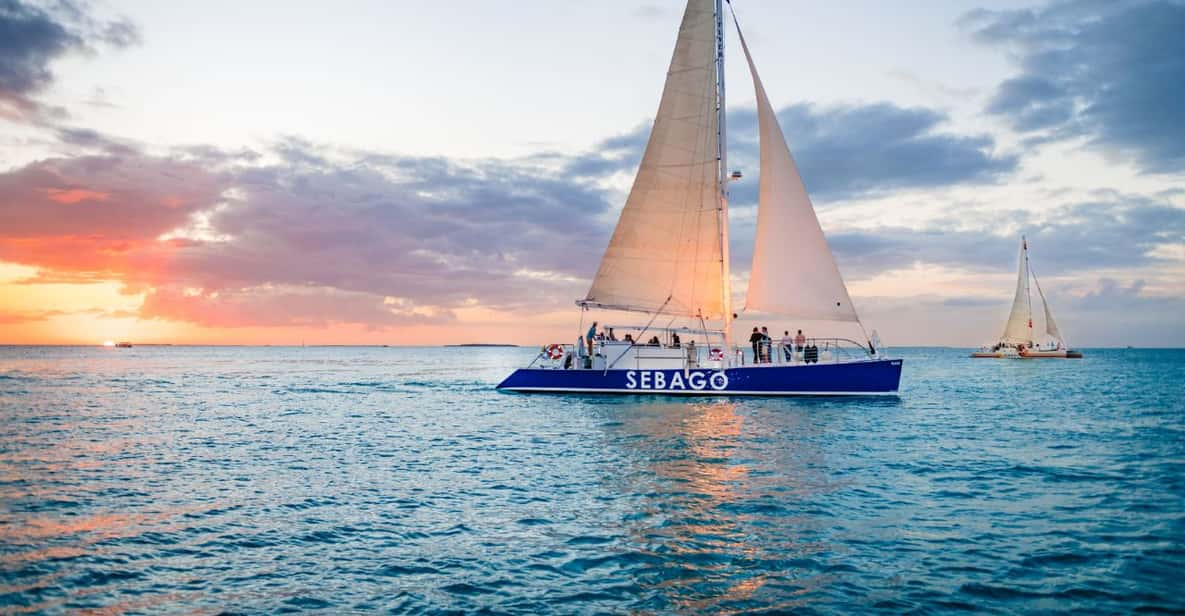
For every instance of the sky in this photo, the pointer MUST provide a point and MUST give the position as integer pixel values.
(426, 173)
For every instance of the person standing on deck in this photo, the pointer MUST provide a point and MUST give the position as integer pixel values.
(799, 340)
(766, 343)
(755, 340)
(787, 345)
(591, 337)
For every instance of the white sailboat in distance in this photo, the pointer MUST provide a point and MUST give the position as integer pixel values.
(1019, 341)
(668, 257)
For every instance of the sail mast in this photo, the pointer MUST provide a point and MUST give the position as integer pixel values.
(1024, 246)
(722, 156)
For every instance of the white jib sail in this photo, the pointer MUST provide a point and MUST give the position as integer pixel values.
(1050, 325)
(794, 273)
(1019, 328)
(666, 252)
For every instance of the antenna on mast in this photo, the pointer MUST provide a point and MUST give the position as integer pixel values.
(1024, 248)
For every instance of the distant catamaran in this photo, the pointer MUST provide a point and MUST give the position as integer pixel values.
(1018, 340)
(669, 256)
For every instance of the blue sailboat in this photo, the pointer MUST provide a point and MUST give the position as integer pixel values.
(669, 258)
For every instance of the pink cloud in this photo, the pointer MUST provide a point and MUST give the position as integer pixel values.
(307, 307)
(75, 195)
(126, 198)
(304, 241)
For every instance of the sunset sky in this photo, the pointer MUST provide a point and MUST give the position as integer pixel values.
(367, 172)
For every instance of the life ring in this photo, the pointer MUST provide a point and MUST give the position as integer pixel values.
(554, 351)
(715, 354)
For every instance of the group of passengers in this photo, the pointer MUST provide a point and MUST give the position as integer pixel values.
(1050, 345)
(763, 344)
(760, 339)
(592, 337)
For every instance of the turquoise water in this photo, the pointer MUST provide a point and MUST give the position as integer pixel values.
(190, 479)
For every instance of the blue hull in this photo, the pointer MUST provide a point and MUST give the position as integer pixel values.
(866, 378)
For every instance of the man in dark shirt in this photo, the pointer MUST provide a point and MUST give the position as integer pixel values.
(755, 339)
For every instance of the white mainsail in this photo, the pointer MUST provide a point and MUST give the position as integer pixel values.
(1019, 328)
(794, 273)
(666, 254)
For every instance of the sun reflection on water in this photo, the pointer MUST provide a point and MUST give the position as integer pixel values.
(716, 504)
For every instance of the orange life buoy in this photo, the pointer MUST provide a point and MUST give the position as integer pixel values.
(554, 351)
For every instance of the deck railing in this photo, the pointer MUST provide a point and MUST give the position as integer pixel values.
(814, 350)
(569, 351)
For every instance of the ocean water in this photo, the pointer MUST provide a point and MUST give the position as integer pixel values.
(205, 480)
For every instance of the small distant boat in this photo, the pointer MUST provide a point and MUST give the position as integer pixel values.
(123, 345)
(1018, 340)
(669, 257)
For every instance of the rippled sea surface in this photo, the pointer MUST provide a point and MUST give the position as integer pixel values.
(191, 479)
